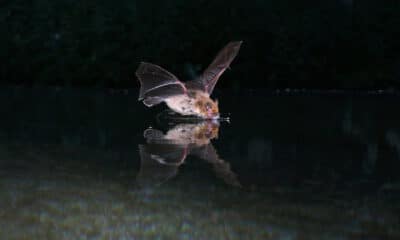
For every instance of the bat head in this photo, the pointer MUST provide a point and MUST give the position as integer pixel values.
(206, 107)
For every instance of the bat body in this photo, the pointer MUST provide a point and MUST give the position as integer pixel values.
(157, 85)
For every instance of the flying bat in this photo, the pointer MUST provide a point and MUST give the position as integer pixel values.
(157, 85)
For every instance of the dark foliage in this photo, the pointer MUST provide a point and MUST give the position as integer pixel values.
(318, 44)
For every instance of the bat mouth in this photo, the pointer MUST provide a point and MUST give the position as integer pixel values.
(212, 116)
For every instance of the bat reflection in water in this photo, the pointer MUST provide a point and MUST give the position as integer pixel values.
(190, 98)
(162, 154)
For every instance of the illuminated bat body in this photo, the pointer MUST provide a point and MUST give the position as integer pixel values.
(157, 85)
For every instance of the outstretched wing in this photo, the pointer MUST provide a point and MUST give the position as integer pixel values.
(222, 168)
(152, 171)
(157, 84)
(209, 78)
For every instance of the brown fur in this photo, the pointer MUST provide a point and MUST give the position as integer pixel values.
(206, 105)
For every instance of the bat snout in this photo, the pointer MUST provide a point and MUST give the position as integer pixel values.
(212, 115)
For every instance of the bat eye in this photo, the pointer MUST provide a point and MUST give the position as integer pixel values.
(208, 106)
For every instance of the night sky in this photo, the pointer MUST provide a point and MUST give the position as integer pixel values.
(341, 44)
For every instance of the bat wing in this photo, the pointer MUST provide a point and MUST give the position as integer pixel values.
(165, 154)
(205, 152)
(157, 84)
(222, 168)
(206, 82)
(152, 172)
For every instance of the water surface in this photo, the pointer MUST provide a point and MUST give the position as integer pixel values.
(98, 164)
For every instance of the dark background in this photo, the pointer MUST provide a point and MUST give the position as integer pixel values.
(287, 44)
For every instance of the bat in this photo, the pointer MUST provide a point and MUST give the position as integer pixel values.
(163, 154)
(157, 85)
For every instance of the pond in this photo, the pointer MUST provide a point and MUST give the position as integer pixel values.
(98, 164)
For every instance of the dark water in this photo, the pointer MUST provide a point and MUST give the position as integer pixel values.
(94, 164)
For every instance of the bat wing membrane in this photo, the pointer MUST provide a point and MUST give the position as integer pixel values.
(206, 82)
(157, 84)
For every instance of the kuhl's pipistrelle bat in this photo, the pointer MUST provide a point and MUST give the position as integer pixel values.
(157, 85)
